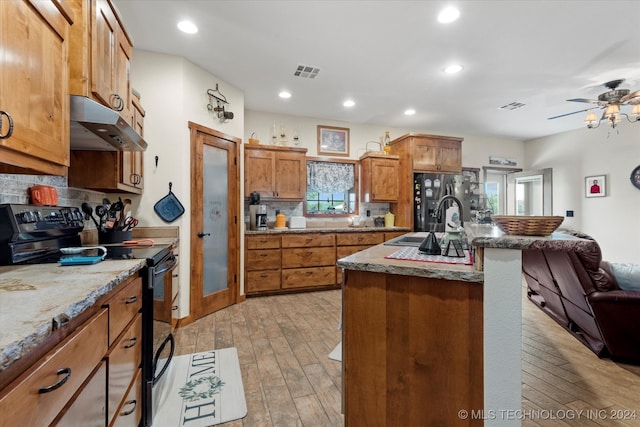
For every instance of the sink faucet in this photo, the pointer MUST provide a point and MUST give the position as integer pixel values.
(436, 211)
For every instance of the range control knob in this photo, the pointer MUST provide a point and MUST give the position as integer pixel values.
(27, 217)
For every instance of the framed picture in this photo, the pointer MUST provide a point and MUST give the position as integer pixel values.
(333, 141)
(595, 186)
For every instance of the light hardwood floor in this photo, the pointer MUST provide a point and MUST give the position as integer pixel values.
(283, 342)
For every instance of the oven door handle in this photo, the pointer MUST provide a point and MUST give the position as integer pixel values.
(169, 339)
(171, 261)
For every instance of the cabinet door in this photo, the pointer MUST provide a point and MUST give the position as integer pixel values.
(384, 180)
(89, 409)
(34, 84)
(121, 76)
(425, 155)
(131, 169)
(103, 40)
(259, 166)
(450, 156)
(291, 176)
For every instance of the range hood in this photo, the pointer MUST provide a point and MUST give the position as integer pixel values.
(99, 128)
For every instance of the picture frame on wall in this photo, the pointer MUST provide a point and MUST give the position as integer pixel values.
(333, 141)
(595, 186)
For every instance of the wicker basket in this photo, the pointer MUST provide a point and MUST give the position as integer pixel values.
(528, 225)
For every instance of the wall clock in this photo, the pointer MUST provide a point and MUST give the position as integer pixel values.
(635, 177)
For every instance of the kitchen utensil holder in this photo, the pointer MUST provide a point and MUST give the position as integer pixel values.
(113, 236)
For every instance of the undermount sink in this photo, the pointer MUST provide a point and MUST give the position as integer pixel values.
(406, 241)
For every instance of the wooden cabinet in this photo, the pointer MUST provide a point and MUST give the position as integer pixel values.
(34, 86)
(378, 178)
(263, 259)
(125, 351)
(110, 171)
(437, 155)
(350, 243)
(308, 260)
(40, 394)
(101, 56)
(89, 408)
(275, 172)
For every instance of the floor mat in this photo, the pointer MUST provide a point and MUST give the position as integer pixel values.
(200, 390)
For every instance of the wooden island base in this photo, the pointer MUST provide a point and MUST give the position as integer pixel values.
(412, 350)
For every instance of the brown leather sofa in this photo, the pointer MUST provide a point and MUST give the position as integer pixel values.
(579, 291)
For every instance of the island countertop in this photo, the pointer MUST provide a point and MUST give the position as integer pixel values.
(37, 299)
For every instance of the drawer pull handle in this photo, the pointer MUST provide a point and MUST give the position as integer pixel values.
(264, 255)
(360, 239)
(64, 371)
(10, 129)
(132, 342)
(131, 299)
(132, 410)
(263, 276)
(309, 240)
(309, 273)
(263, 241)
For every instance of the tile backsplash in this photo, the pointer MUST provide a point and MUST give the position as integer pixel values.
(14, 188)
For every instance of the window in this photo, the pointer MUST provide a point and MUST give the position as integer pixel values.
(496, 190)
(331, 188)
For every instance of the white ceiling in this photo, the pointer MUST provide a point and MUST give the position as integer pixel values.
(388, 56)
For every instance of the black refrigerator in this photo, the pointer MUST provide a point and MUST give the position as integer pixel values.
(428, 188)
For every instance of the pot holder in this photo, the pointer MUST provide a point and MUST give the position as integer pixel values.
(169, 207)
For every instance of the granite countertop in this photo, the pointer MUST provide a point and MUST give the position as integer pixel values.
(327, 230)
(373, 259)
(36, 299)
(488, 236)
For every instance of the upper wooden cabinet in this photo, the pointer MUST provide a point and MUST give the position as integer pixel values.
(275, 172)
(379, 177)
(34, 86)
(437, 155)
(101, 54)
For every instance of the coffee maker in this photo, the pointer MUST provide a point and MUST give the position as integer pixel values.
(257, 213)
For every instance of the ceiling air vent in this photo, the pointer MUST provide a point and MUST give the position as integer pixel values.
(511, 106)
(306, 71)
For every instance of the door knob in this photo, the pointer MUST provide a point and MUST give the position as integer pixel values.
(201, 234)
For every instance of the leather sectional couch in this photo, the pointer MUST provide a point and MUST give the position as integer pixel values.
(580, 292)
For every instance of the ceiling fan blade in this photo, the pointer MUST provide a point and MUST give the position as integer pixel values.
(575, 112)
(635, 96)
(593, 101)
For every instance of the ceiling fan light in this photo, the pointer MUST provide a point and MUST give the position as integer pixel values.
(591, 119)
(636, 111)
(612, 110)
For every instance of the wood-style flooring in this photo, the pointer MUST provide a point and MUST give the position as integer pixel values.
(283, 342)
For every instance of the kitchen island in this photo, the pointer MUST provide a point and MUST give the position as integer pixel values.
(436, 344)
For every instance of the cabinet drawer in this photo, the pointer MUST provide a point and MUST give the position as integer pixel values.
(130, 413)
(306, 240)
(263, 242)
(311, 257)
(344, 251)
(262, 260)
(123, 360)
(265, 280)
(344, 239)
(123, 306)
(393, 234)
(303, 277)
(78, 355)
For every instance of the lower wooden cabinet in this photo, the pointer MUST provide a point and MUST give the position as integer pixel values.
(90, 378)
(292, 261)
(39, 395)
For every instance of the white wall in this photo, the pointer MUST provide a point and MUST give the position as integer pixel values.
(475, 149)
(612, 220)
(174, 92)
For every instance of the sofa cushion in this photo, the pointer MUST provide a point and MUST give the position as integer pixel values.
(627, 275)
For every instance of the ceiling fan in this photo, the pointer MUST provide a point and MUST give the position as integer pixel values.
(610, 101)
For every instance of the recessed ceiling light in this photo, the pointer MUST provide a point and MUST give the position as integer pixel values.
(187, 27)
(448, 14)
(349, 103)
(409, 112)
(453, 68)
(284, 94)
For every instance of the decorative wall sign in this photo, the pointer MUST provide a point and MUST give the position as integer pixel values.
(595, 186)
(502, 161)
(333, 140)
